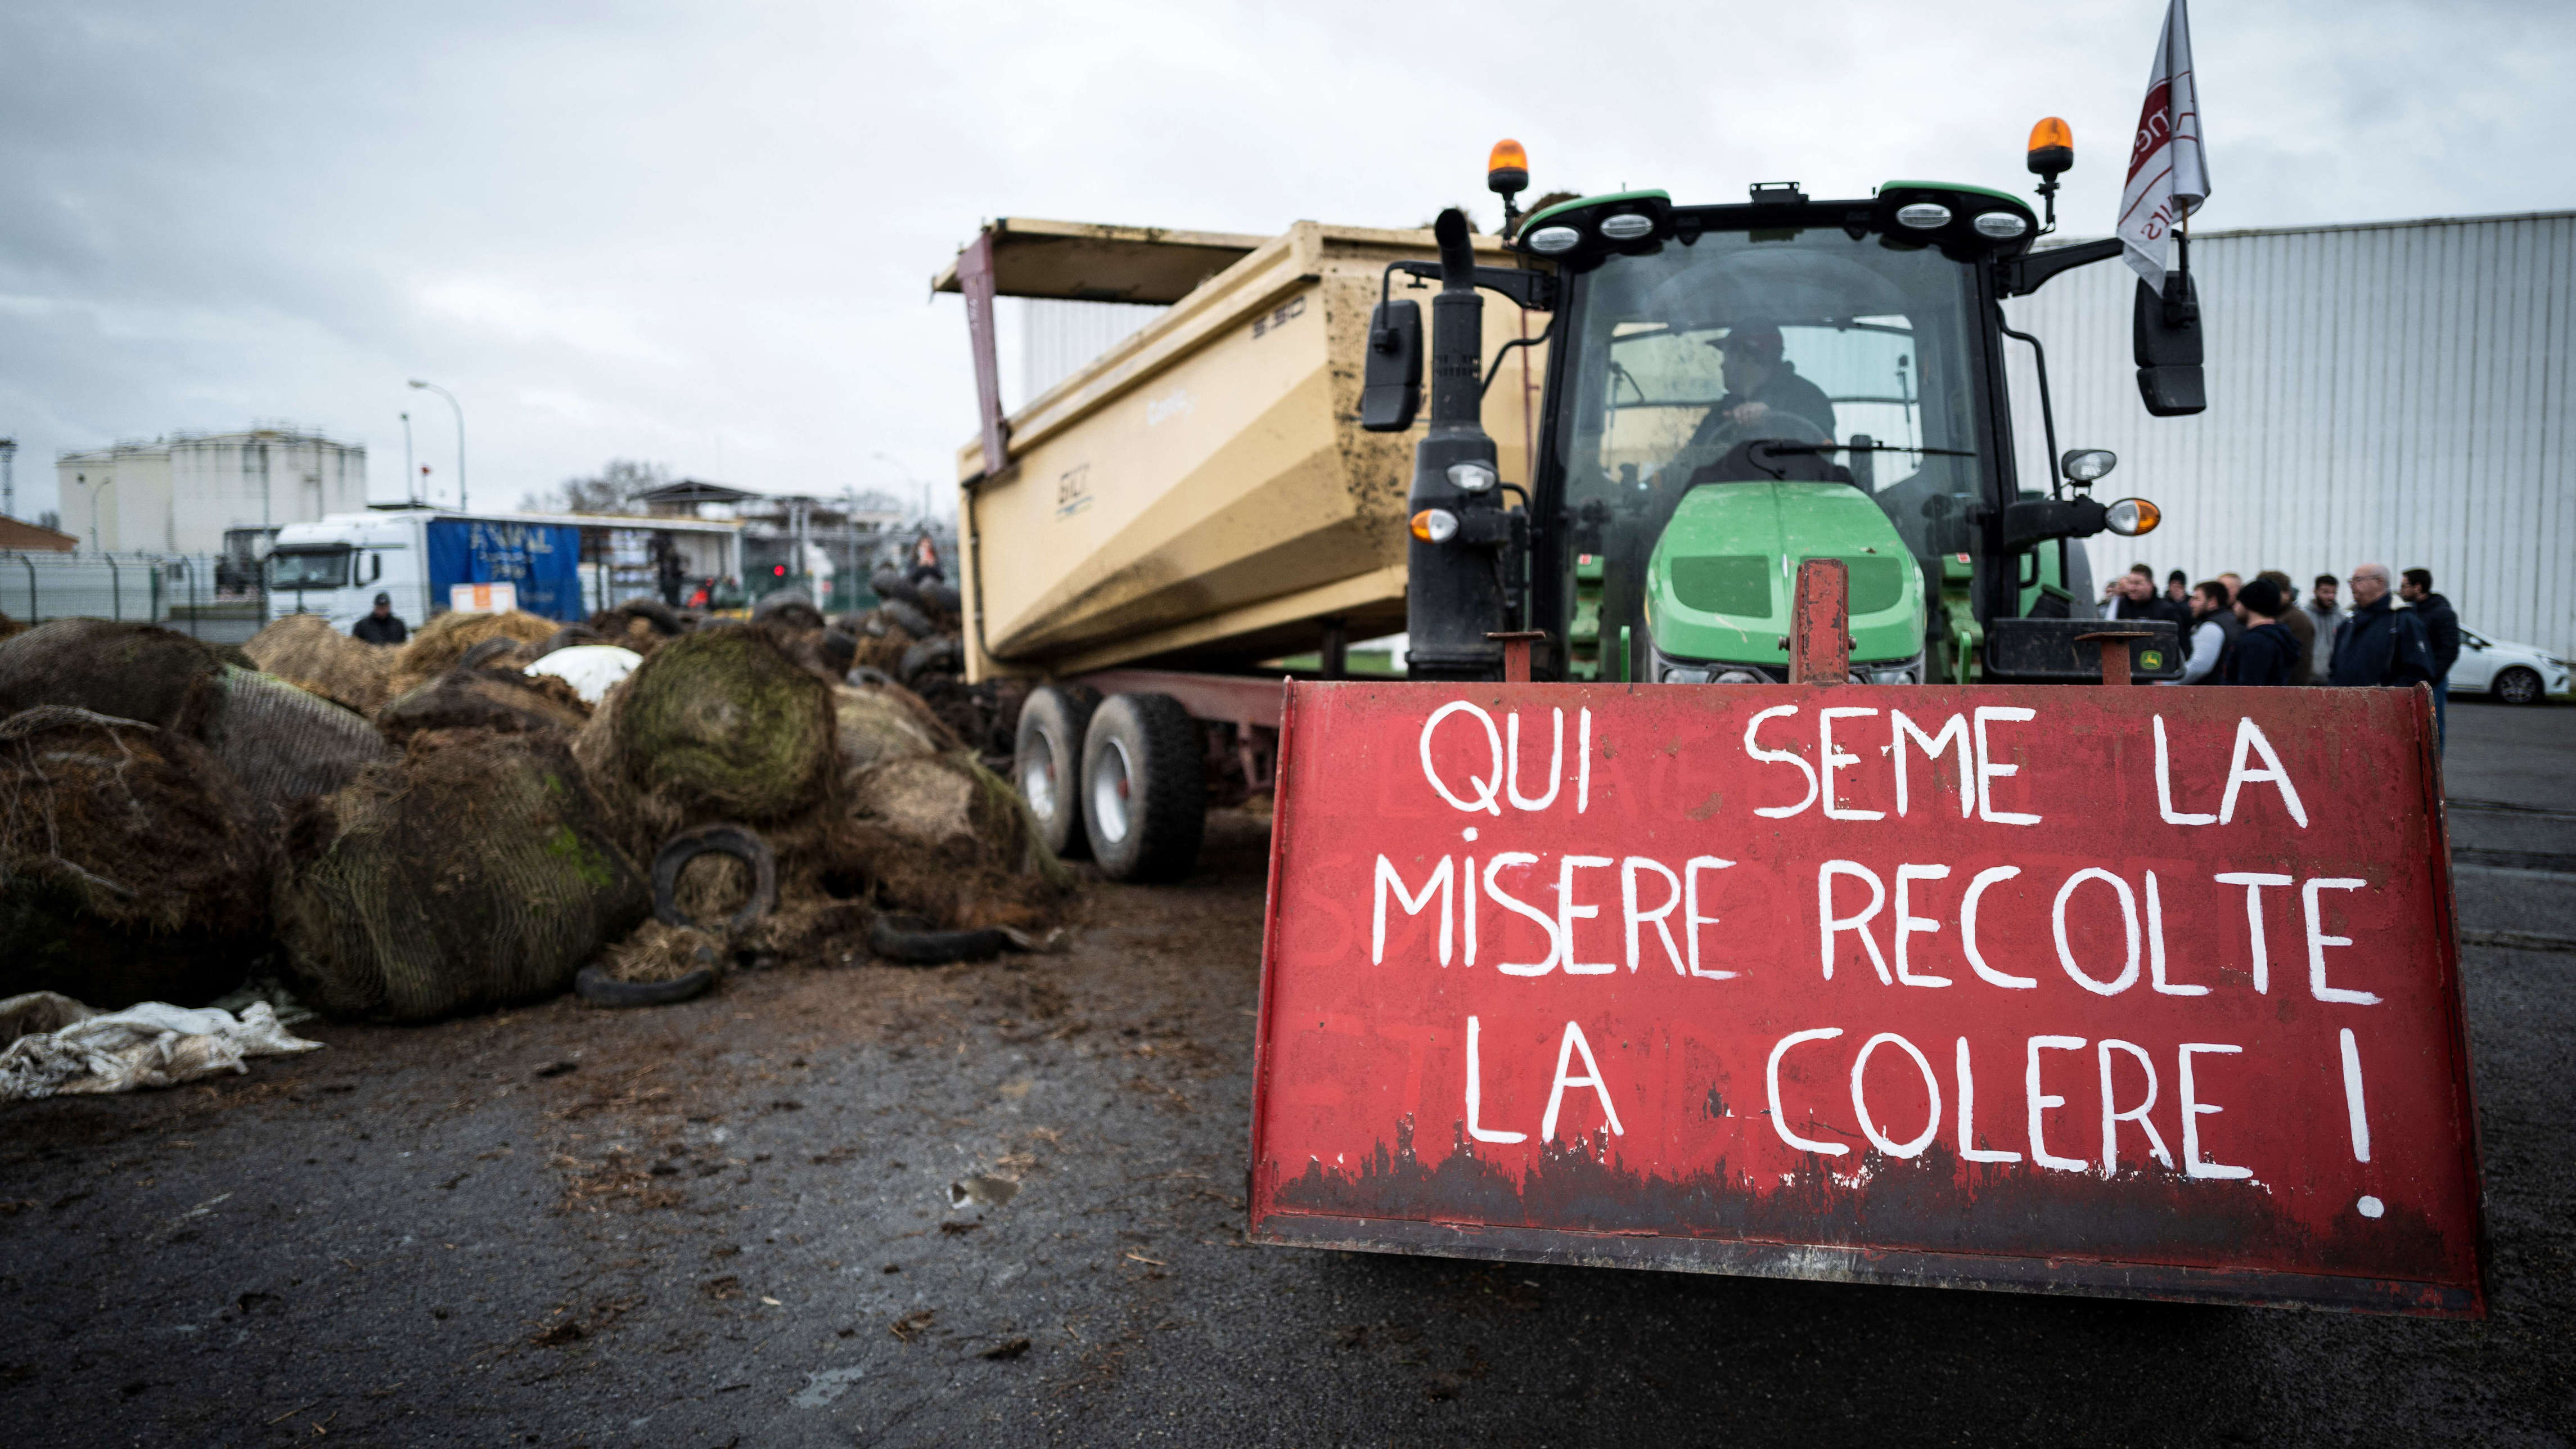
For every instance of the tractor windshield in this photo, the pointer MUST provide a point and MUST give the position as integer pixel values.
(1769, 355)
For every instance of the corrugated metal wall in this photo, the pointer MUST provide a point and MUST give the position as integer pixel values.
(2395, 392)
(1060, 338)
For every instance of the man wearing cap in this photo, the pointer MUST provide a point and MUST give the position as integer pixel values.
(1760, 381)
(384, 626)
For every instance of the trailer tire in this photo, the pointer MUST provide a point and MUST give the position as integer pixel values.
(1046, 763)
(1144, 788)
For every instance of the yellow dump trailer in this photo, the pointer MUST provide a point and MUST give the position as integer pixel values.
(1200, 497)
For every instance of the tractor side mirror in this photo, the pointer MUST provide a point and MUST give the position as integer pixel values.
(1391, 384)
(2165, 331)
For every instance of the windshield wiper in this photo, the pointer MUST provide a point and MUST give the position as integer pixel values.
(1769, 445)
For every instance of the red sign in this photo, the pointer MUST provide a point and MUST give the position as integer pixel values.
(2129, 991)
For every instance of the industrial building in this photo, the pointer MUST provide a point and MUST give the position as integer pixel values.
(2394, 392)
(207, 492)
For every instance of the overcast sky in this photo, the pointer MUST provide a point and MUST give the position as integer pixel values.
(702, 234)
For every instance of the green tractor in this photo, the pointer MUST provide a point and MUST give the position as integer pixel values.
(1733, 390)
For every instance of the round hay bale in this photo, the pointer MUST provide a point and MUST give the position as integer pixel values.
(502, 700)
(284, 744)
(129, 867)
(305, 651)
(474, 872)
(716, 725)
(878, 723)
(438, 645)
(942, 836)
(125, 671)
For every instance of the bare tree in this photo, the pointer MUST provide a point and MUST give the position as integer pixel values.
(613, 489)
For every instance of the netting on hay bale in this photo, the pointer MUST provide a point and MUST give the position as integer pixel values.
(123, 670)
(505, 700)
(284, 744)
(718, 725)
(475, 871)
(130, 869)
(437, 645)
(304, 650)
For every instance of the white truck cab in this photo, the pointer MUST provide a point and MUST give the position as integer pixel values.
(336, 565)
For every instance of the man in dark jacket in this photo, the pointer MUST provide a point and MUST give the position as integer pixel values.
(2441, 638)
(2301, 624)
(384, 626)
(2268, 652)
(2379, 643)
(1761, 381)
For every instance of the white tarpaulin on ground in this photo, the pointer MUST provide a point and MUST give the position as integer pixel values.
(69, 1048)
(2168, 173)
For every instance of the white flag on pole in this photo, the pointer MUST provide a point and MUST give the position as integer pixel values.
(2168, 172)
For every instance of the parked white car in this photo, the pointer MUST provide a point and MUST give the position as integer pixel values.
(2513, 673)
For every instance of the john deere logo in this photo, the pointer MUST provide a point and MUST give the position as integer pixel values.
(2151, 659)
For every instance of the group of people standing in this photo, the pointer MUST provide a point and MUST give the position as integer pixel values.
(2240, 631)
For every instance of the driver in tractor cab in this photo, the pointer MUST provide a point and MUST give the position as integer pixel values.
(1760, 381)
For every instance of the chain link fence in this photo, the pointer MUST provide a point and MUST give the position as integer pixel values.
(203, 594)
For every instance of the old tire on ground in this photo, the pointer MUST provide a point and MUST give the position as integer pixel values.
(2518, 686)
(743, 845)
(908, 617)
(942, 655)
(601, 989)
(913, 941)
(1047, 763)
(1144, 791)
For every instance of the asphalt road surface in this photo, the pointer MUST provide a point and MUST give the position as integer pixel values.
(853, 1204)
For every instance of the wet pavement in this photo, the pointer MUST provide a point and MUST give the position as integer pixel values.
(855, 1204)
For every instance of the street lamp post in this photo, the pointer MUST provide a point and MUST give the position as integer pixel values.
(96, 535)
(461, 506)
(411, 479)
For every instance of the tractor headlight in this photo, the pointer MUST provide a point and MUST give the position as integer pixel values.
(1550, 240)
(1906, 672)
(1739, 676)
(1473, 477)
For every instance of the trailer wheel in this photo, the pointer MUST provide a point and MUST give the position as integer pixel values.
(1047, 763)
(1144, 790)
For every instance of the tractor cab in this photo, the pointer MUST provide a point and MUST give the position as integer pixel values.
(1733, 390)
(1737, 389)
